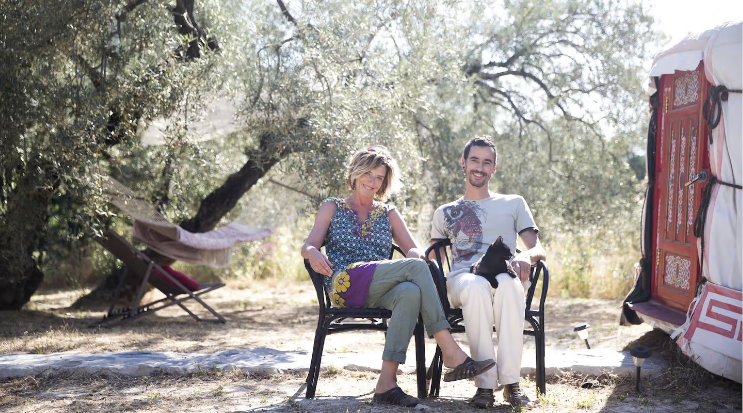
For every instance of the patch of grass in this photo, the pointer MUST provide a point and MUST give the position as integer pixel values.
(549, 399)
(587, 402)
(646, 402)
(53, 340)
(590, 270)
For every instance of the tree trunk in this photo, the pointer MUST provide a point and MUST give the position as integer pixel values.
(221, 201)
(21, 230)
(17, 291)
(212, 209)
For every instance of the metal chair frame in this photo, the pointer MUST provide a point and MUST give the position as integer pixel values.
(535, 317)
(140, 265)
(333, 320)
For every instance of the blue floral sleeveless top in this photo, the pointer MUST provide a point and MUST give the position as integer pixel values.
(348, 241)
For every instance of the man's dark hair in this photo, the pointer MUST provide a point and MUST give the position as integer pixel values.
(482, 140)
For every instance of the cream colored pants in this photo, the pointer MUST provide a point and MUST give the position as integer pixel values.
(484, 307)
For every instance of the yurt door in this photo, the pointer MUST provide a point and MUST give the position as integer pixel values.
(680, 154)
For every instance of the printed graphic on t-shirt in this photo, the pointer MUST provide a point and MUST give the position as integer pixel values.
(466, 218)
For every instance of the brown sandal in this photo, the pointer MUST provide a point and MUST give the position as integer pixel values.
(395, 396)
(469, 369)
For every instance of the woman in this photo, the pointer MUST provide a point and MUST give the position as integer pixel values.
(358, 232)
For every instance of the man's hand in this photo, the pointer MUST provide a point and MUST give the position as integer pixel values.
(522, 266)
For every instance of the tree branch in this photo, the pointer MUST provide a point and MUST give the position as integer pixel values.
(519, 53)
(94, 76)
(185, 21)
(299, 191)
(519, 114)
(223, 199)
(522, 73)
(286, 13)
(279, 45)
(131, 6)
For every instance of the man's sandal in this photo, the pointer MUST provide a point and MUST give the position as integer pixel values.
(395, 396)
(469, 369)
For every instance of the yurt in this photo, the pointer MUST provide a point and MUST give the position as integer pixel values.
(690, 276)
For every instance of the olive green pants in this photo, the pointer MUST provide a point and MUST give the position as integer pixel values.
(406, 288)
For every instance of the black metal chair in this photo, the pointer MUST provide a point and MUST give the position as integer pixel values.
(333, 320)
(454, 315)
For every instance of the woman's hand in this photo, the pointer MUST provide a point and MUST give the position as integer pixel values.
(320, 263)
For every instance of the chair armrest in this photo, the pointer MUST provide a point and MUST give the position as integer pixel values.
(436, 248)
(398, 249)
(436, 267)
(440, 282)
(319, 283)
(318, 280)
(538, 271)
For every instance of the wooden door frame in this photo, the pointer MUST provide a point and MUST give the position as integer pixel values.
(670, 296)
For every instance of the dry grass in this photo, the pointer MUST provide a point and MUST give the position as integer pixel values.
(268, 313)
(47, 325)
(341, 391)
(282, 316)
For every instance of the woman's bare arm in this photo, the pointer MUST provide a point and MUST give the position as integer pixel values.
(402, 236)
(311, 248)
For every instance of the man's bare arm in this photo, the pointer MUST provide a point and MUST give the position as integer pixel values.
(534, 252)
(522, 262)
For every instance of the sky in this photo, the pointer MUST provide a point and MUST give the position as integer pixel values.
(679, 17)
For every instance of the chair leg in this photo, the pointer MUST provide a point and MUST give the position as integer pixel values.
(195, 317)
(118, 290)
(540, 350)
(106, 320)
(420, 359)
(435, 370)
(140, 291)
(211, 310)
(314, 373)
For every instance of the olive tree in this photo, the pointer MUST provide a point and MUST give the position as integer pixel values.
(76, 79)
(314, 80)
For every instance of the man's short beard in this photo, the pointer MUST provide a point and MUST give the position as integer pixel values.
(471, 179)
(478, 185)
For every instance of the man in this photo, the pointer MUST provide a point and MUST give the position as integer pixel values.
(472, 223)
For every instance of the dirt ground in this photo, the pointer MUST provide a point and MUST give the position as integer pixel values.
(283, 316)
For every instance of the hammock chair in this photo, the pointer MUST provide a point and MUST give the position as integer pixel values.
(152, 229)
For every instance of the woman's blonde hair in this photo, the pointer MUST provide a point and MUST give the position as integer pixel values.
(371, 158)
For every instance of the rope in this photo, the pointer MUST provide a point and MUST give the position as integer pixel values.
(712, 112)
(712, 109)
(700, 221)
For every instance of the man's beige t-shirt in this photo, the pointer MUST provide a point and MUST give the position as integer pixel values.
(473, 225)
